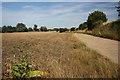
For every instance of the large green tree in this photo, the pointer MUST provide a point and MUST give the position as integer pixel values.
(95, 16)
(21, 27)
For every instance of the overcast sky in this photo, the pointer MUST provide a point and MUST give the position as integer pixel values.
(54, 14)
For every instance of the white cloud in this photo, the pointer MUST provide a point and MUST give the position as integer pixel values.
(27, 6)
(58, 15)
(47, 17)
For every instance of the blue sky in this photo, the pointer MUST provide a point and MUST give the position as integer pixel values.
(54, 14)
(60, 0)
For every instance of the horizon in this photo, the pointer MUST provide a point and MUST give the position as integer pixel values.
(54, 14)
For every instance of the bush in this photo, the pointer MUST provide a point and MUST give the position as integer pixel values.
(72, 29)
(61, 30)
(43, 29)
(30, 29)
(56, 29)
(83, 26)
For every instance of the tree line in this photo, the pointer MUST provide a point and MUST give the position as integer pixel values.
(94, 19)
(20, 27)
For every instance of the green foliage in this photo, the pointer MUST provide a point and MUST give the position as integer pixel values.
(56, 29)
(4, 29)
(118, 9)
(43, 28)
(83, 26)
(110, 30)
(0, 29)
(8, 29)
(72, 29)
(21, 27)
(20, 70)
(94, 17)
(62, 30)
(30, 29)
(35, 28)
(97, 23)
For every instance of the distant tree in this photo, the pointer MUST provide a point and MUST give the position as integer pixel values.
(56, 29)
(14, 29)
(10, 29)
(72, 29)
(21, 27)
(43, 28)
(118, 9)
(0, 29)
(95, 16)
(83, 26)
(50, 29)
(77, 28)
(4, 29)
(30, 29)
(35, 28)
(66, 29)
(61, 30)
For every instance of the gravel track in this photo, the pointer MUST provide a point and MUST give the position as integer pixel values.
(106, 47)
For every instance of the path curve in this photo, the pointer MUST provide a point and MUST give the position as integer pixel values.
(106, 47)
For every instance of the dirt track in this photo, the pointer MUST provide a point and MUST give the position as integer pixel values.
(105, 47)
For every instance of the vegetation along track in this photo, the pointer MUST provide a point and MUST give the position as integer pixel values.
(106, 47)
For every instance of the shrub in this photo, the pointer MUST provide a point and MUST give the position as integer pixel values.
(72, 29)
(30, 29)
(35, 28)
(56, 29)
(61, 30)
(43, 28)
(83, 26)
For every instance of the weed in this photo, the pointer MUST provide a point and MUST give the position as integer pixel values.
(22, 69)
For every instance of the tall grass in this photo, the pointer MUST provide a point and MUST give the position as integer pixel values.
(110, 30)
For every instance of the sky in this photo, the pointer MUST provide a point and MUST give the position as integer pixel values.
(54, 14)
(59, 0)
